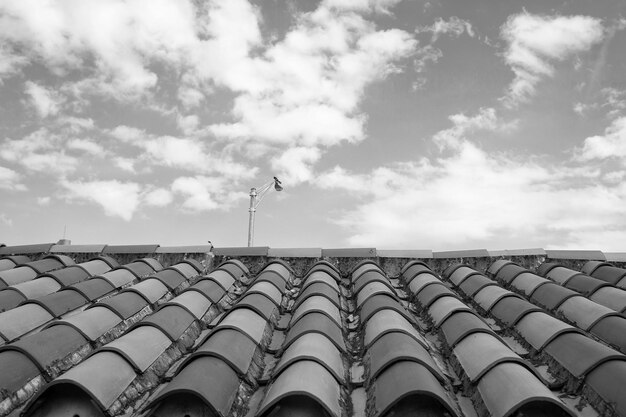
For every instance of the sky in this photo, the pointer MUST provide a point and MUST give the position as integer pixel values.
(396, 124)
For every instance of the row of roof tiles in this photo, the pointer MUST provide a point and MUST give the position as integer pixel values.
(311, 252)
(226, 344)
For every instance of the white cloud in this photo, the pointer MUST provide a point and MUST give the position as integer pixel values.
(535, 42)
(295, 165)
(473, 197)
(118, 199)
(610, 145)
(87, 146)
(40, 151)
(43, 201)
(202, 193)
(44, 101)
(128, 133)
(454, 26)
(159, 197)
(10, 180)
(126, 164)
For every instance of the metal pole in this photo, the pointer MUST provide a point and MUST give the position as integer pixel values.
(252, 211)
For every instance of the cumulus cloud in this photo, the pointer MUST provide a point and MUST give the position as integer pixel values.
(296, 164)
(10, 180)
(159, 197)
(6, 220)
(117, 198)
(612, 144)
(472, 197)
(535, 42)
(202, 193)
(454, 26)
(44, 101)
(86, 145)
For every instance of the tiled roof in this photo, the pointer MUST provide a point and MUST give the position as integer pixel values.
(247, 332)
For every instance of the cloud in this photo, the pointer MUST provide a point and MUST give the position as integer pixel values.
(6, 220)
(202, 193)
(43, 201)
(535, 42)
(10, 180)
(453, 27)
(45, 102)
(159, 197)
(86, 145)
(611, 145)
(473, 198)
(118, 199)
(296, 164)
(40, 151)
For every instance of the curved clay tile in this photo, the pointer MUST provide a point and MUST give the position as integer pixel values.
(579, 354)
(609, 273)
(185, 269)
(306, 378)
(610, 297)
(21, 320)
(495, 267)
(586, 285)
(444, 307)
(462, 273)
(91, 323)
(9, 298)
(95, 378)
(528, 282)
(207, 378)
(368, 277)
(324, 267)
(152, 263)
(221, 277)
(418, 264)
(510, 387)
(432, 293)
(173, 320)
(236, 262)
(16, 275)
(612, 330)
(61, 302)
(317, 304)
(380, 302)
(447, 273)
(462, 324)
(268, 290)
(170, 277)
(609, 380)
(259, 303)
(321, 289)
(274, 278)
(552, 295)
(591, 266)
(584, 312)
(395, 347)
(561, 275)
(421, 280)
(315, 347)
(119, 277)
(491, 295)
(474, 283)
(539, 329)
(363, 266)
(319, 276)
(372, 289)
(232, 346)
(73, 274)
(509, 272)
(210, 289)
(387, 321)
(138, 268)
(278, 266)
(478, 353)
(96, 266)
(510, 310)
(93, 288)
(125, 304)
(316, 323)
(140, 346)
(48, 346)
(246, 321)
(150, 289)
(195, 302)
(17, 370)
(546, 267)
(233, 270)
(417, 381)
(37, 287)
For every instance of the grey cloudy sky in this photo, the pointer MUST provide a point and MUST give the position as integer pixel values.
(394, 124)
